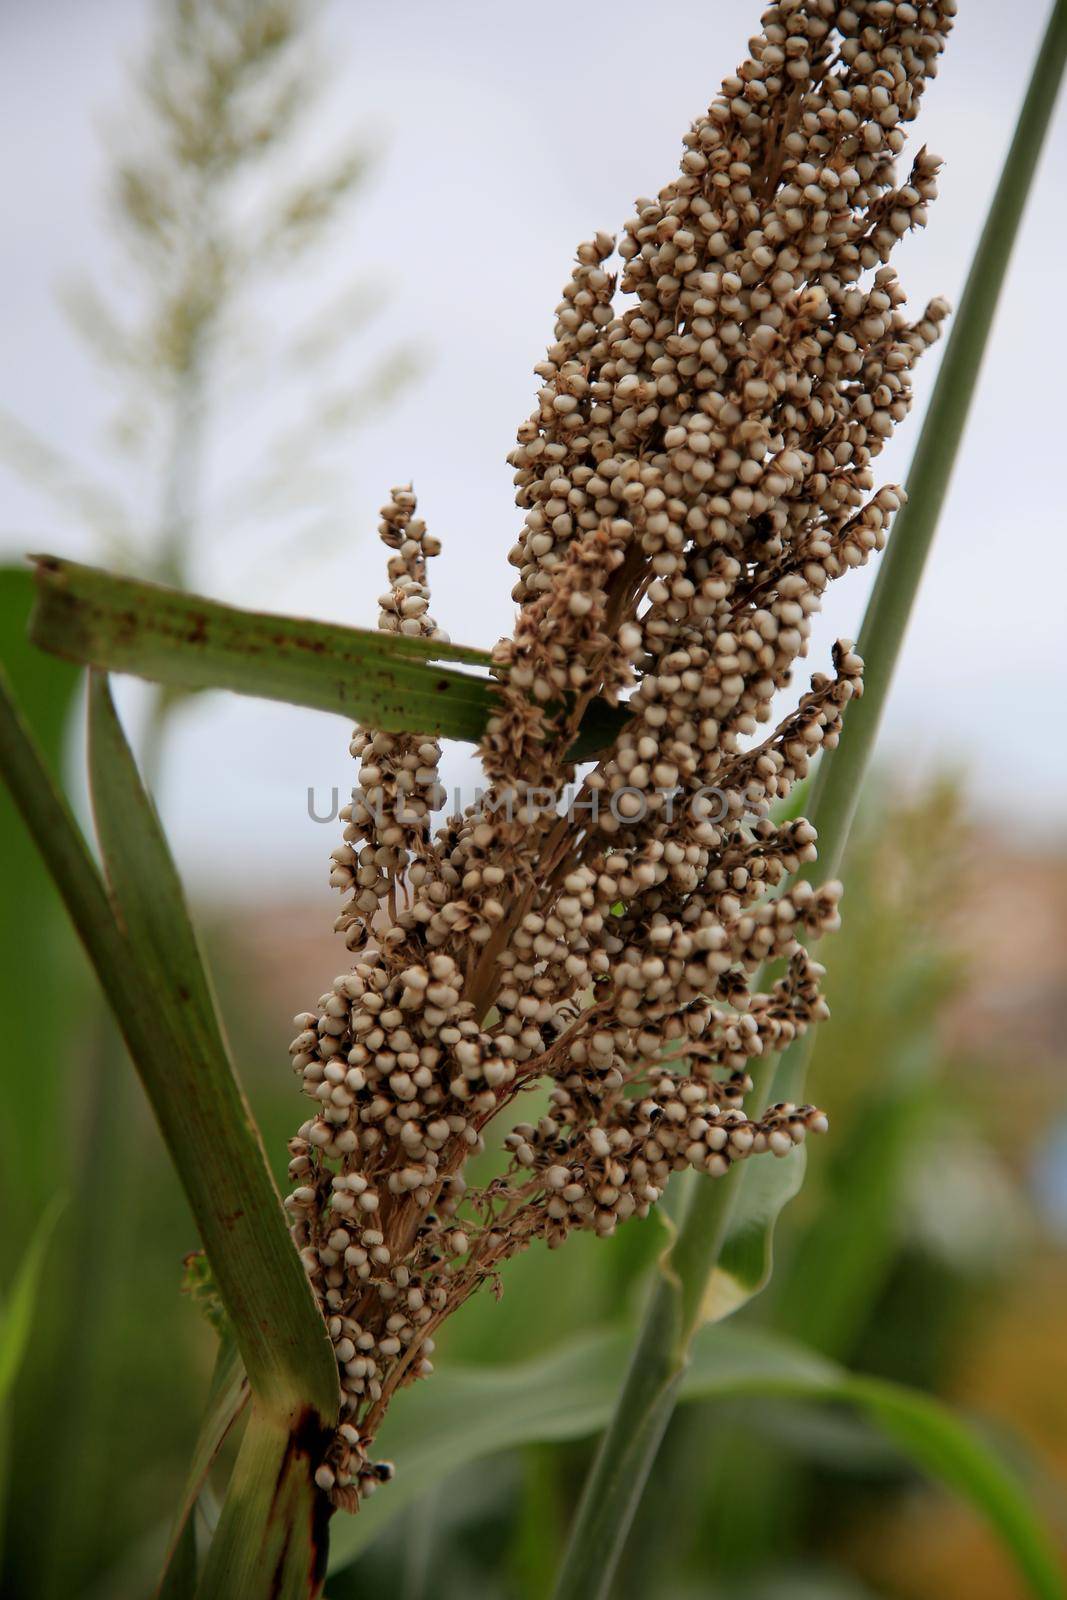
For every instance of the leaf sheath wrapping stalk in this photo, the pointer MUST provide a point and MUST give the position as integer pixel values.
(272, 1536)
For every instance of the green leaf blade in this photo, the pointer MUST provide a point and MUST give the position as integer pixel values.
(746, 1259)
(189, 643)
(19, 1304)
(174, 1043)
(39, 955)
(467, 1414)
(204, 1117)
(951, 1454)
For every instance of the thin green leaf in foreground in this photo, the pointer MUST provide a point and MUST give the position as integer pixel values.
(385, 680)
(19, 1304)
(719, 1260)
(149, 969)
(203, 1115)
(467, 1414)
(40, 957)
(839, 777)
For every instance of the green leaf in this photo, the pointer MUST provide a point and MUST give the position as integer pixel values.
(45, 687)
(465, 1415)
(40, 957)
(203, 1115)
(19, 1304)
(385, 680)
(952, 1454)
(147, 961)
(746, 1260)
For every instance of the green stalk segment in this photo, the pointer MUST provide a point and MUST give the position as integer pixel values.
(272, 1495)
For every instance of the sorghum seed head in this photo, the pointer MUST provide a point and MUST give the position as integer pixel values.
(697, 468)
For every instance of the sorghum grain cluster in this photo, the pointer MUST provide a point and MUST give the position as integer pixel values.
(698, 467)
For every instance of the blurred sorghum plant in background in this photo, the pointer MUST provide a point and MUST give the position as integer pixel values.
(209, 221)
(698, 468)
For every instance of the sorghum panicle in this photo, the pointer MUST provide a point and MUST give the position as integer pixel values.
(698, 467)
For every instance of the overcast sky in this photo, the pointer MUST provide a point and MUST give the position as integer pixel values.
(507, 133)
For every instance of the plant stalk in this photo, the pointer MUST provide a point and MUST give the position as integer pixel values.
(272, 1490)
(628, 1449)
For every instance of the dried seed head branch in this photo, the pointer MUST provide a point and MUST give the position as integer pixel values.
(697, 469)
